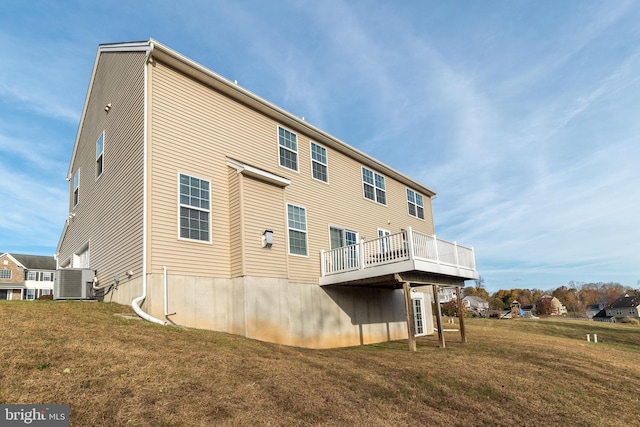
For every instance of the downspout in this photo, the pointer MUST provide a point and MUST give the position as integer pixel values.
(135, 304)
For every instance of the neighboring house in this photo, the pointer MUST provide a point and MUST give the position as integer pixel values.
(591, 310)
(26, 277)
(624, 307)
(213, 208)
(602, 316)
(555, 306)
(447, 294)
(476, 304)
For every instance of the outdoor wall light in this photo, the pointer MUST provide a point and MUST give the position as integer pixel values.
(108, 107)
(116, 279)
(267, 239)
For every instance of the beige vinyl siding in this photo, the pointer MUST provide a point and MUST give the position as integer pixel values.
(182, 141)
(109, 212)
(342, 203)
(262, 210)
(196, 128)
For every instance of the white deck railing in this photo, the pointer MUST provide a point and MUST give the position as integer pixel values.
(405, 245)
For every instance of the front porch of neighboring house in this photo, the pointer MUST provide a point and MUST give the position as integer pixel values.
(403, 260)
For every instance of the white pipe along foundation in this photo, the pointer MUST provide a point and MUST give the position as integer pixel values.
(136, 307)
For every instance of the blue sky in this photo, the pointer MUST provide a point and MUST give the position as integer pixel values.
(524, 116)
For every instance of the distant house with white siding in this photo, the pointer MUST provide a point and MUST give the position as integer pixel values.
(476, 304)
(26, 277)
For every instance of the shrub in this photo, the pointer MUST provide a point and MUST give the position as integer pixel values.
(630, 320)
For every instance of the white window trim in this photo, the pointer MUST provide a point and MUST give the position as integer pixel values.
(297, 152)
(186, 239)
(306, 232)
(10, 274)
(344, 229)
(26, 294)
(416, 204)
(326, 165)
(101, 155)
(375, 187)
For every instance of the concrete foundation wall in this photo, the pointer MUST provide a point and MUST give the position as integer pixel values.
(274, 310)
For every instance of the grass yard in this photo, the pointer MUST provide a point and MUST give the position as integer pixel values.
(117, 371)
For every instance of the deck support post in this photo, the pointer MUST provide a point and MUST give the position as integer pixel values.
(436, 302)
(411, 329)
(463, 336)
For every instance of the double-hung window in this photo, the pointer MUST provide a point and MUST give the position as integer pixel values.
(47, 276)
(76, 187)
(32, 275)
(5, 274)
(297, 228)
(99, 154)
(319, 162)
(288, 147)
(194, 208)
(373, 186)
(415, 204)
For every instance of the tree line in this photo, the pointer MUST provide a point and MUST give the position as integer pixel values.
(575, 296)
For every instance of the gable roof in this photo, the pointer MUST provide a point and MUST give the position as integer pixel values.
(34, 262)
(626, 301)
(602, 314)
(154, 49)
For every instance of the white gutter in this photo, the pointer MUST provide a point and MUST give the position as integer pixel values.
(135, 304)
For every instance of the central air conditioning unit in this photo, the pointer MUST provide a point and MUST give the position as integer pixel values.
(73, 283)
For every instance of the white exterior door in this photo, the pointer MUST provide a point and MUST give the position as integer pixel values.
(419, 318)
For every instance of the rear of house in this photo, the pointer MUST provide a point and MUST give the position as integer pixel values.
(228, 213)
